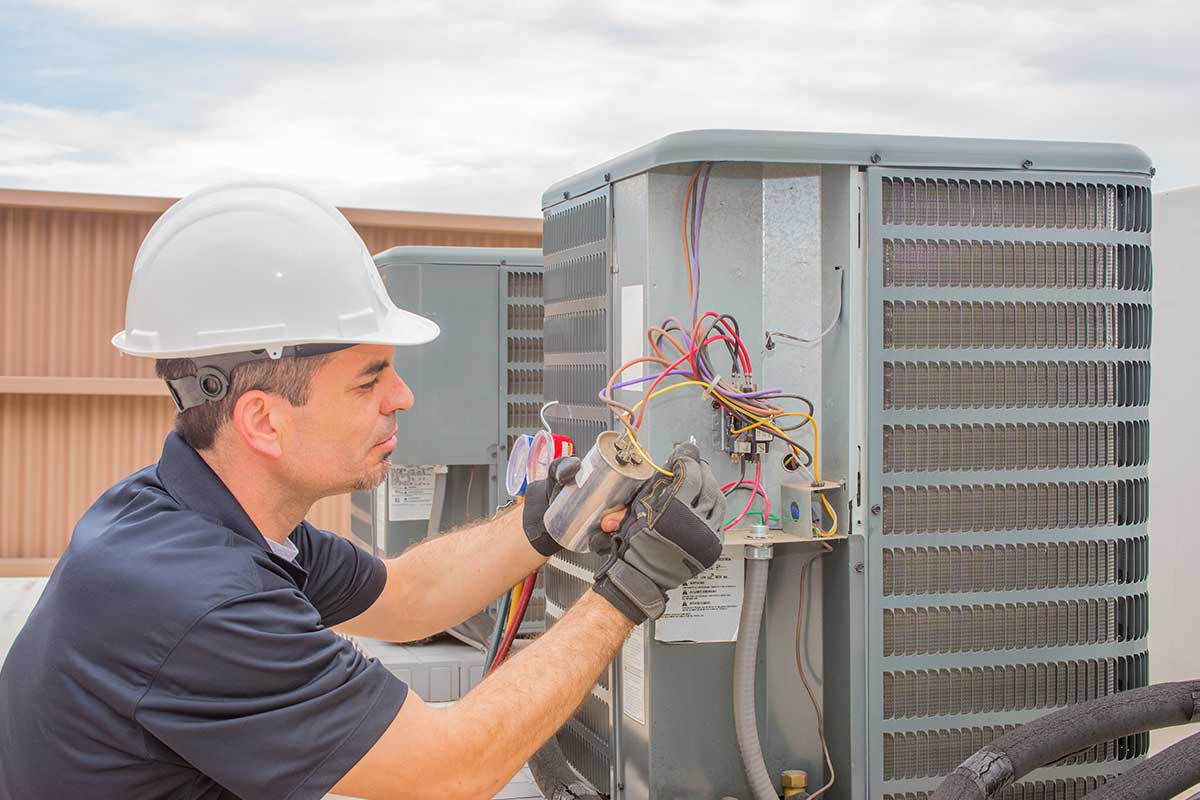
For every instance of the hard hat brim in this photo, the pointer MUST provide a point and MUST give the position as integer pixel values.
(399, 328)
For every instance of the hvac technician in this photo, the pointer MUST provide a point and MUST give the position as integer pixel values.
(184, 646)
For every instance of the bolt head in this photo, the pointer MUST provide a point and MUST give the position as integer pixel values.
(875, 509)
(1027, 164)
(876, 158)
(860, 568)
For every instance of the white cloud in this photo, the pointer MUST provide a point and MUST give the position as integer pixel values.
(465, 107)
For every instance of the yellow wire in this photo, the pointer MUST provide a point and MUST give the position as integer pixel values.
(633, 434)
(633, 441)
(764, 422)
(514, 601)
(816, 464)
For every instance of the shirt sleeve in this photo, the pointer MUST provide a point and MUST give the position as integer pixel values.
(266, 701)
(343, 579)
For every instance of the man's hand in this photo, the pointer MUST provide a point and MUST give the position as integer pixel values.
(670, 537)
(538, 497)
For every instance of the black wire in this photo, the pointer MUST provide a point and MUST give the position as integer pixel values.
(807, 454)
(702, 352)
(702, 349)
(797, 426)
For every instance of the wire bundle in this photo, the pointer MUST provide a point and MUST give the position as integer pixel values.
(509, 617)
(750, 410)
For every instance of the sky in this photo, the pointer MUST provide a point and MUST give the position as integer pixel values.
(479, 107)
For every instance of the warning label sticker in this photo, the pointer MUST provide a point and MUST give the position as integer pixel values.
(633, 675)
(410, 491)
(706, 608)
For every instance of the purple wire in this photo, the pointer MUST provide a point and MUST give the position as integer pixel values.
(623, 384)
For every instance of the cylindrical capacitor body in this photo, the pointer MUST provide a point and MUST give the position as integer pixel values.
(610, 475)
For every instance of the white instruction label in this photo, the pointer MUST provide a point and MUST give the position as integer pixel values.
(633, 675)
(410, 491)
(633, 332)
(706, 608)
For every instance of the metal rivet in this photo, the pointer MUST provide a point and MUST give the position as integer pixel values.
(1027, 164)
(860, 568)
(566, 195)
(875, 509)
(1153, 172)
(876, 158)
(607, 177)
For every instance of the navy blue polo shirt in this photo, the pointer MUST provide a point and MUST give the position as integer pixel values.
(173, 655)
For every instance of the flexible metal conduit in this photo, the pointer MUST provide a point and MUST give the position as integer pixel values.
(1047, 739)
(745, 660)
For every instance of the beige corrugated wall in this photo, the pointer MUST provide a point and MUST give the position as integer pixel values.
(76, 416)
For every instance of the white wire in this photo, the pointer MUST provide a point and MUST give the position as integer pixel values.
(836, 318)
(542, 414)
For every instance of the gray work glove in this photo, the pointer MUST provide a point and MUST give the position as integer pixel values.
(538, 497)
(669, 536)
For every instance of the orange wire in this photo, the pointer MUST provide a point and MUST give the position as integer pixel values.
(687, 252)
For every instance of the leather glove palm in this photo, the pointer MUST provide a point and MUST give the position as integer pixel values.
(669, 536)
(538, 497)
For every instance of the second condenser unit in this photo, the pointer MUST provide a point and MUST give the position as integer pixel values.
(966, 324)
(476, 388)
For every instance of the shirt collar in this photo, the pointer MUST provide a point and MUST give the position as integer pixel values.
(192, 482)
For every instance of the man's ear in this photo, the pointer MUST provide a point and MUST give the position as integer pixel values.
(254, 425)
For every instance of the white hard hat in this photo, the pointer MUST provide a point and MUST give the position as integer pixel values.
(257, 266)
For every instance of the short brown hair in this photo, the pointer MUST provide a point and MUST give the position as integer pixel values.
(290, 378)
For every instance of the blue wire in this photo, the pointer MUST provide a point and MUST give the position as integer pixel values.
(497, 631)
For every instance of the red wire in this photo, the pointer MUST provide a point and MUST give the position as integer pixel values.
(650, 391)
(518, 618)
(753, 493)
(743, 354)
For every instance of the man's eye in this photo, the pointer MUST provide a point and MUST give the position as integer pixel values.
(369, 384)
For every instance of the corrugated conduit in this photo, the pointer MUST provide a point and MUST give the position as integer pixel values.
(745, 661)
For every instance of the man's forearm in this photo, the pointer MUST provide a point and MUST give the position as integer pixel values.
(505, 719)
(448, 578)
(470, 750)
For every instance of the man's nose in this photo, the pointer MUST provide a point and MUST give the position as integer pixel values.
(399, 398)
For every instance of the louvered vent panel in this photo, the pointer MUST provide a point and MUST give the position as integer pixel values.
(1009, 446)
(934, 753)
(959, 325)
(1060, 789)
(1016, 265)
(578, 332)
(1015, 507)
(522, 313)
(1015, 204)
(1008, 687)
(1013, 567)
(1014, 626)
(959, 559)
(1015, 384)
(578, 363)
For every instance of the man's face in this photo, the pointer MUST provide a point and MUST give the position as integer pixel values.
(341, 438)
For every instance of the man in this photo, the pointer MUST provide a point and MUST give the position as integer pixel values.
(183, 646)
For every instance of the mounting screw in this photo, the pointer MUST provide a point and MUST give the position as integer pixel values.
(566, 195)
(860, 568)
(607, 177)
(875, 509)
(876, 158)
(1153, 171)
(1027, 164)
